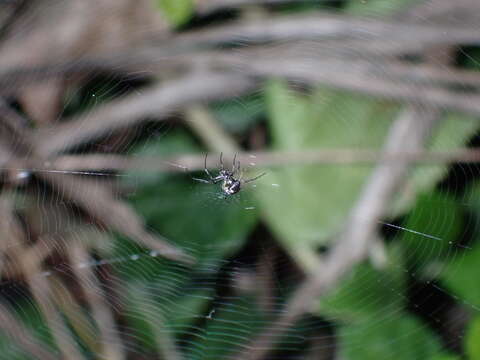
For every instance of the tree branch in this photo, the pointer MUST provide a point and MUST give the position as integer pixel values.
(90, 164)
(158, 102)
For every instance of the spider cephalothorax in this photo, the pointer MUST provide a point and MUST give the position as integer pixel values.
(230, 183)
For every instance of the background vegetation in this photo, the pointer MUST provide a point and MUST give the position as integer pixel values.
(360, 242)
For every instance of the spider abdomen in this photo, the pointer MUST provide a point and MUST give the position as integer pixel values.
(231, 186)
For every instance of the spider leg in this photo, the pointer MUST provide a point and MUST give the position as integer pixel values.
(233, 163)
(221, 160)
(205, 168)
(203, 180)
(255, 178)
(238, 166)
(217, 179)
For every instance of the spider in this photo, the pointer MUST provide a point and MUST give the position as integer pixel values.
(230, 183)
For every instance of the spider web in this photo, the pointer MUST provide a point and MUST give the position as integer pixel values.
(82, 284)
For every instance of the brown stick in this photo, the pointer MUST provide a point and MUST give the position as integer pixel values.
(159, 102)
(97, 164)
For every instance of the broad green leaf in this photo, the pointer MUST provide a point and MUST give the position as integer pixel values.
(312, 203)
(177, 12)
(394, 336)
(431, 229)
(193, 217)
(367, 292)
(445, 356)
(461, 275)
(189, 213)
(143, 316)
(472, 339)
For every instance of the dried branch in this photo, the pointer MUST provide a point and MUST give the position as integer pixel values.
(368, 85)
(42, 293)
(97, 164)
(369, 35)
(100, 203)
(325, 25)
(158, 102)
(109, 337)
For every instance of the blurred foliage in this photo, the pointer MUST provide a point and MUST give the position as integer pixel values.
(207, 310)
(330, 119)
(368, 291)
(396, 336)
(325, 119)
(438, 223)
(472, 343)
(177, 12)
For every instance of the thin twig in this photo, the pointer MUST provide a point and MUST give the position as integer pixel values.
(158, 102)
(95, 164)
(110, 340)
(113, 213)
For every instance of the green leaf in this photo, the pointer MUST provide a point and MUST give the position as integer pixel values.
(395, 336)
(367, 292)
(445, 356)
(177, 12)
(461, 275)
(189, 213)
(313, 201)
(431, 229)
(472, 339)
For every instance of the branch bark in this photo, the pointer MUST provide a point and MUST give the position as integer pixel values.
(158, 102)
(97, 164)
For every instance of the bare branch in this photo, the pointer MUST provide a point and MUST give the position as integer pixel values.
(325, 25)
(113, 213)
(363, 35)
(110, 340)
(158, 102)
(368, 85)
(93, 163)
